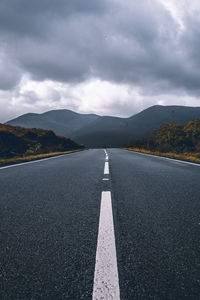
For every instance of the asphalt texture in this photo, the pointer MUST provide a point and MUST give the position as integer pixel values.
(49, 216)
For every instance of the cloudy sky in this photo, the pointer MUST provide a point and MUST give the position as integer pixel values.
(110, 57)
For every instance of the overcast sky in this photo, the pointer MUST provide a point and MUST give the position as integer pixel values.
(110, 57)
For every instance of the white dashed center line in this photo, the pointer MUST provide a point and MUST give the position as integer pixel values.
(106, 281)
(106, 168)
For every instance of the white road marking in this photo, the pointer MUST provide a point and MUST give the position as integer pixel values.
(106, 168)
(172, 159)
(34, 161)
(105, 179)
(106, 280)
(106, 154)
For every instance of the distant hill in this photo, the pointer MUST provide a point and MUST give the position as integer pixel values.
(103, 131)
(18, 141)
(63, 122)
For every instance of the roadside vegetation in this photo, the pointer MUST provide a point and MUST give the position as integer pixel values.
(18, 144)
(173, 141)
(16, 160)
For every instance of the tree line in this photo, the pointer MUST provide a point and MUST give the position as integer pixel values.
(172, 137)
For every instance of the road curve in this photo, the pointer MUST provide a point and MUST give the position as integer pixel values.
(49, 222)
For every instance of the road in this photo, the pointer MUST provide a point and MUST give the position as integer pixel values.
(65, 225)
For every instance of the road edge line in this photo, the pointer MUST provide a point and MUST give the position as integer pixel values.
(163, 157)
(36, 161)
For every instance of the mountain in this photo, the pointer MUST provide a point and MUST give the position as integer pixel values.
(18, 141)
(103, 131)
(118, 132)
(63, 122)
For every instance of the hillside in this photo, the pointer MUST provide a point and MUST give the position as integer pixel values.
(18, 141)
(104, 131)
(172, 137)
(63, 122)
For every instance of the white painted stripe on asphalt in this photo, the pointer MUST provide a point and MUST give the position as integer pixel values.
(106, 168)
(34, 161)
(172, 159)
(105, 179)
(106, 280)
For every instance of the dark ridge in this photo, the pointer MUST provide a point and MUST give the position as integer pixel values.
(104, 131)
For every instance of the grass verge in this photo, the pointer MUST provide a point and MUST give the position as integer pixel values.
(190, 157)
(17, 160)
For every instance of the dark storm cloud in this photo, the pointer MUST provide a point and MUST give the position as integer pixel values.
(10, 73)
(22, 17)
(132, 42)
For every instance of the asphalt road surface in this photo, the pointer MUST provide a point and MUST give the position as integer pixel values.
(100, 225)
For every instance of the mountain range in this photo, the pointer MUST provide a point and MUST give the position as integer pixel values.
(96, 131)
